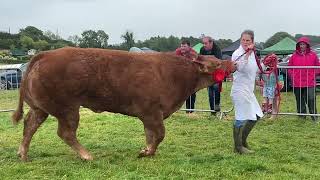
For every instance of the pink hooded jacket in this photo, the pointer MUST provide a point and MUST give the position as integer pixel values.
(303, 77)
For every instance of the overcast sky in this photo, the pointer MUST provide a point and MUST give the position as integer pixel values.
(145, 18)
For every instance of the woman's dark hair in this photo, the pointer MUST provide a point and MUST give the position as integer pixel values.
(249, 32)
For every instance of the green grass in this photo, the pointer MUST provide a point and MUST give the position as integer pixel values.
(194, 148)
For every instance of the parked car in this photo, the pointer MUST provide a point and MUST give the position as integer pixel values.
(11, 75)
(10, 79)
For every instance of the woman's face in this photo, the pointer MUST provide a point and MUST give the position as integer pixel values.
(246, 41)
(303, 46)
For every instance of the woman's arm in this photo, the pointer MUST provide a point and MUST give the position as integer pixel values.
(241, 63)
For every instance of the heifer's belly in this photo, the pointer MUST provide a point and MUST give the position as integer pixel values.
(173, 104)
(132, 104)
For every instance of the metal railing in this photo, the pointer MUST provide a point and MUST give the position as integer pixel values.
(288, 104)
(9, 94)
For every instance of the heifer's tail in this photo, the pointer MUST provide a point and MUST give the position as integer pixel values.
(18, 114)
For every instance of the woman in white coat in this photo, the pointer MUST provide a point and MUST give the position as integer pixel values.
(247, 108)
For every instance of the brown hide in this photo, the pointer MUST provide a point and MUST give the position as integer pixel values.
(148, 86)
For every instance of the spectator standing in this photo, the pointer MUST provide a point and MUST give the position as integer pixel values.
(210, 48)
(304, 80)
(186, 51)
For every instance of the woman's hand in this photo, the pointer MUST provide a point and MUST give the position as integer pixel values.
(250, 48)
(249, 51)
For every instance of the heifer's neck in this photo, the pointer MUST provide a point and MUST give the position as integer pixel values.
(204, 80)
(186, 79)
(194, 79)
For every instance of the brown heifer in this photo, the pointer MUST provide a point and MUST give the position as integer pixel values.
(148, 86)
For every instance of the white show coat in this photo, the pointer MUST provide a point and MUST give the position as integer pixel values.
(242, 92)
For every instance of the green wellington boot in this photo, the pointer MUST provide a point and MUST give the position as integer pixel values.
(237, 137)
(246, 131)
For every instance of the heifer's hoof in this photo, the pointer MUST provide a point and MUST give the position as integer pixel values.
(22, 157)
(86, 157)
(146, 152)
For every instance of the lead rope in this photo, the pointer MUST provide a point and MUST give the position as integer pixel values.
(275, 70)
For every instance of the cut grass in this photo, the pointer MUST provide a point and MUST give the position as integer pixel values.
(194, 148)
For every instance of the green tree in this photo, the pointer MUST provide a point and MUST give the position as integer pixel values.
(51, 35)
(59, 44)
(94, 39)
(75, 39)
(89, 39)
(33, 32)
(27, 42)
(12, 47)
(161, 43)
(6, 43)
(128, 39)
(193, 40)
(7, 39)
(102, 38)
(172, 43)
(41, 45)
(276, 38)
(222, 43)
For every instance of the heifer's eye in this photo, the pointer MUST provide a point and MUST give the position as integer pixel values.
(219, 64)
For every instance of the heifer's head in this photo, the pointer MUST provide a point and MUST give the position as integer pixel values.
(207, 64)
(215, 70)
(228, 66)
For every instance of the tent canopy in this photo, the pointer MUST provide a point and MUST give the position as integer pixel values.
(141, 50)
(231, 48)
(197, 47)
(285, 46)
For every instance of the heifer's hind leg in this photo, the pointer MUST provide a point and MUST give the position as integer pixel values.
(32, 122)
(67, 131)
(155, 132)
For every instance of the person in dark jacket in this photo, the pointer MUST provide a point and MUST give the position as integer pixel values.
(210, 48)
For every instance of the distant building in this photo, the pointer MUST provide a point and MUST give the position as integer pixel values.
(18, 52)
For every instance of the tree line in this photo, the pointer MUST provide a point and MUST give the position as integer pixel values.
(31, 37)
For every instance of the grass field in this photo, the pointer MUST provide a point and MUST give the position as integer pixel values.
(198, 147)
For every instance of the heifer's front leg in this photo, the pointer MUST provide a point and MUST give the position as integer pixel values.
(155, 132)
(67, 130)
(32, 122)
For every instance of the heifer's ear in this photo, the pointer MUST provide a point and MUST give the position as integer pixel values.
(199, 58)
(194, 55)
(202, 66)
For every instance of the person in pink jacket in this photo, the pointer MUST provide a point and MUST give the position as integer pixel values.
(304, 80)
